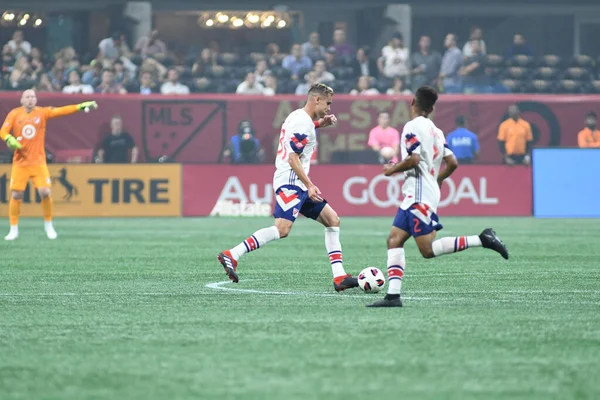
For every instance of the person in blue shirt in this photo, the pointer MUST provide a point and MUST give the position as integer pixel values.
(244, 147)
(463, 142)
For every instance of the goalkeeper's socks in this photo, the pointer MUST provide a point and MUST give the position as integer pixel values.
(449, 245)
(254, 242)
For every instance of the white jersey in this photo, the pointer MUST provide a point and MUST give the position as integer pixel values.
(421, 136)
(298, 135)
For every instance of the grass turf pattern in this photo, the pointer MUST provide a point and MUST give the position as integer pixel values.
(140, 309)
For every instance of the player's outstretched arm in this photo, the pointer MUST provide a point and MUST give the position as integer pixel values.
(55, 112)
(451, 165)
(410, 162)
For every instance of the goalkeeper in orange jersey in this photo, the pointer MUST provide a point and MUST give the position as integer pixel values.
(28, 127)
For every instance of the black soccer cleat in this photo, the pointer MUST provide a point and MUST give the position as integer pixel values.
(388, 301)
(348, 282)
(229, 264)
(490, 240)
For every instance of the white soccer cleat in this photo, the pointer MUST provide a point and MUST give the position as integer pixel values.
(12, 235)
(50, 232)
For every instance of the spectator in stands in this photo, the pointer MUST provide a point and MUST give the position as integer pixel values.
(244, 147)
(296, 62)
(311, 79)
(121, 75)
(108, 84)
(451, 63)
(16, 81)
(342, 48)
(331, 60)
(45, 85)
(363, 87)
(274, 56)
(270, 85)
(115, 147)
(8, 61)
(36, 61)
(463, 143)
(18, 46)
(399, 88)
(261, 71)
(151, 46)
(394, 58)
(425, 65)
(476, 36)
(57, 74)
(515, 138)
(313, 48)
(322, 75)
(383, 136)
(473, 71)
(93, 74)
(363, 65)
(519, 47)
(24, 66)
(146, 84)
(206, 60)
(590, 135)
(172, 85)
(250, 86)
(110, 48)
(75, 86)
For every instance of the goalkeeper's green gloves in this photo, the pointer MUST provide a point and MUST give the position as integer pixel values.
(13, 143)
(87, 105)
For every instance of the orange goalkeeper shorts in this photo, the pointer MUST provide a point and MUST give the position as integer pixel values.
(20, 176)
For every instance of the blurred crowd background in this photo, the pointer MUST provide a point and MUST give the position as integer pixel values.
(364, 48)
(387, 49)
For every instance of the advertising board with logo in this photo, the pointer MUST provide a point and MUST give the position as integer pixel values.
(104, 190)
(357, 190)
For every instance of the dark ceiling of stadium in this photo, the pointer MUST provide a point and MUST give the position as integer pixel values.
(264, 4)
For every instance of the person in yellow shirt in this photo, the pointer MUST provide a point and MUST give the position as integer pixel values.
(515, 138)
(24, 131)
(589, 137)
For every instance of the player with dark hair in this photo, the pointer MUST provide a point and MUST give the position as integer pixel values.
(295, 193)
(422, 151)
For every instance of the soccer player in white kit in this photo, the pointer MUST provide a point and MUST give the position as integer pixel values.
(295, 193)
(423, 148)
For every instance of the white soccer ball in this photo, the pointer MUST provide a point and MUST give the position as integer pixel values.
(371, 280)
(387, 153)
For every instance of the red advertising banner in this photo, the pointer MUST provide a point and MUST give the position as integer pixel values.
(357, 190)
(195, 129)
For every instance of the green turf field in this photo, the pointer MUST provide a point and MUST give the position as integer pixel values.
(137, 309)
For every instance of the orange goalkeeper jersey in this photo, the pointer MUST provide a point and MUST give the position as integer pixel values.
(30, 131)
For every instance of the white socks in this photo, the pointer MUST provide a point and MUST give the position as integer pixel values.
(334, 250)
(395, 267)
(449, 245)
(254, 242)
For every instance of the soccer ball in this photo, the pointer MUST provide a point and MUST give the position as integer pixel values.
(371, 280)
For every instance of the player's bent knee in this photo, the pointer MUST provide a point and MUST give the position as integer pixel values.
(17, 195)
(427, 252)
(284, 227)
